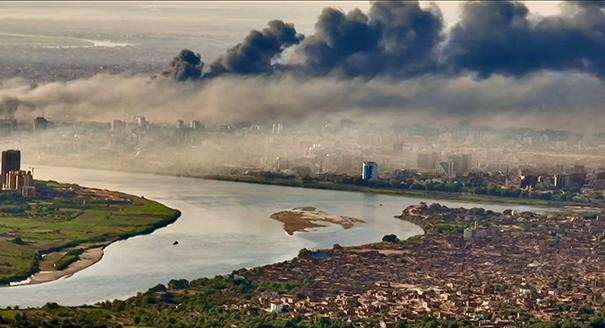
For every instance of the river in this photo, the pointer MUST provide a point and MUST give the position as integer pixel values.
(224, 226)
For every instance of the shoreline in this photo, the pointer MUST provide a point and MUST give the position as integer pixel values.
(438, 196)
(93, 253)
(87, 259)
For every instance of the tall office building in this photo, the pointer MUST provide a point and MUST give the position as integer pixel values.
(562, 181)
(18, 180)
(40, 123)
(369, 171)
(447, 168)
(7, 126)
(467, 163)
(276, 128)
(11, 161)
(462, 163)
(141, 122)
(196, 125)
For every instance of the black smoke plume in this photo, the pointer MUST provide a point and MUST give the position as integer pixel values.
(187, 65)
(254, 55)
(497, 37)
(394, 38)
(403, 40)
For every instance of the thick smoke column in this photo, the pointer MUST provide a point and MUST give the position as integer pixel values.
(498, 37)
(187, 65)
(403, 40)
(395, 39)
(255, 54)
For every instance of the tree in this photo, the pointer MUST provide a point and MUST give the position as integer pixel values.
(390, 238)
(304, 252)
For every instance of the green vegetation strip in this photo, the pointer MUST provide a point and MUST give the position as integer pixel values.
(385, 190)
(63, 216)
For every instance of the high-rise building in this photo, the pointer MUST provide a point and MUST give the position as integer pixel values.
(427, 161)
(7, 126)
(369, 171)
(447, 168)
(118, 126)
(462, 163)
(40, 123)
(140, 121)
(277, 128)
(467, 163)
(196, 125)
(20, 181)
(562, 181)
(11, 161)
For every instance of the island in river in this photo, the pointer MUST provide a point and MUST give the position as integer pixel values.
(64, 228)
(302, 218)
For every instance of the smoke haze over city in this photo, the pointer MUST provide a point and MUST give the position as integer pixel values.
(400, 66)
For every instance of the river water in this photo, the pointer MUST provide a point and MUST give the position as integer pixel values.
(224, 226)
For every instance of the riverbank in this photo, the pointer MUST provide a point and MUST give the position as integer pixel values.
(90, 256)
(86, 259)
(458, 197)
(435, 195)
(510, 269)
(64, 228)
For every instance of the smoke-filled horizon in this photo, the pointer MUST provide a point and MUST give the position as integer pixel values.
(541, 100)
(394, 63)
(403, 40)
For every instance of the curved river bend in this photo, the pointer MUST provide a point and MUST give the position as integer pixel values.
(224, 226)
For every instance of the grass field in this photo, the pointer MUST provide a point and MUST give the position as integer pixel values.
(62, 217)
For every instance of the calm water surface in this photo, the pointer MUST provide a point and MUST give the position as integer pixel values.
(224, 226)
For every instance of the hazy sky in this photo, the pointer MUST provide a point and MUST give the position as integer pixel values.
(207, 27)
(247, 14)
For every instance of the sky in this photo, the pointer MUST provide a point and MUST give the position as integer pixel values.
(302, 13)
(211, 27)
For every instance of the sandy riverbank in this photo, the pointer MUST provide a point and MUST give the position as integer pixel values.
(89, 257)
(302, 218)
